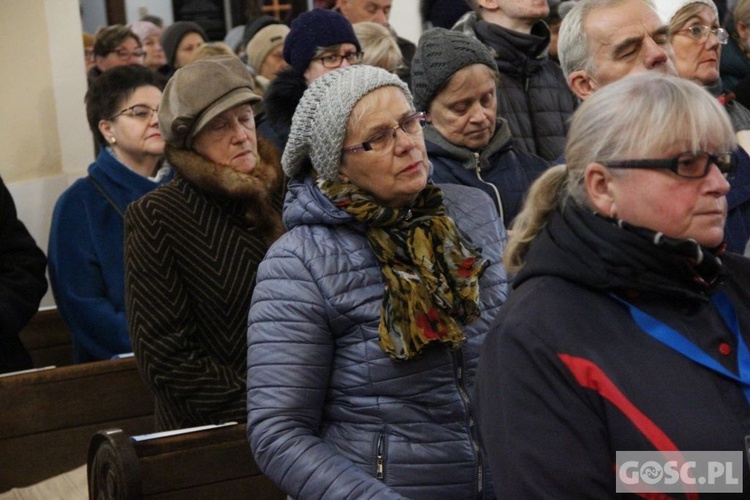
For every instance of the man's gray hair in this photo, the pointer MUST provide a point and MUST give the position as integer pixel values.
(573, 41)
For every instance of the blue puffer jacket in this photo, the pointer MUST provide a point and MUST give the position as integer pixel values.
(330, 415)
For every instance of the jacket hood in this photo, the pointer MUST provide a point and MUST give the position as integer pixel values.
(305, 204)
(610, 255)
(439, 146)
(254, 191)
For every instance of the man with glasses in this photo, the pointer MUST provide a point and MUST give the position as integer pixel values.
(320, 41)
(115, 46)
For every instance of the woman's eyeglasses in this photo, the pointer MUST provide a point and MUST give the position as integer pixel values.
(386, 138)
(336, 60)
(690, 165)
(139, 112)
(126, 54)
(699, 31)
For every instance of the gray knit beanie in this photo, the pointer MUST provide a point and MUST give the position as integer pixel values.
(439, 55)
(320, 120)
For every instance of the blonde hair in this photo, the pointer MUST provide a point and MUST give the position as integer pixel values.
(633, 118)
(741, 12)
(379, 47)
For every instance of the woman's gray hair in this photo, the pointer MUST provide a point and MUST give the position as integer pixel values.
(637, 117)
(573, 41)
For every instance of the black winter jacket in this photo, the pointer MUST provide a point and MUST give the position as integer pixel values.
(533, 94)
(567, 377)
(499, 169)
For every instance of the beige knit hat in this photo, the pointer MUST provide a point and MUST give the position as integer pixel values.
(263, 43)
(668, 8)
(199, 92)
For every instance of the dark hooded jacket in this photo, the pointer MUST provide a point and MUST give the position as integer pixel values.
(279, 103)
(192, 248)
(567, 377)
(500, 170)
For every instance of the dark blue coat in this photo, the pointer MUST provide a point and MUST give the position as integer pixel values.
(85, 254)
(500, 170)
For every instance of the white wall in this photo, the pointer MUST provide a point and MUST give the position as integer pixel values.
(44, 138)
(405, 19)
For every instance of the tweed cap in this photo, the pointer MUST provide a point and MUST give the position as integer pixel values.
(174, 34)
(199, 92)
(263, 43)
(668, 8)
(439, 55)
(313, 29)
(320, 120)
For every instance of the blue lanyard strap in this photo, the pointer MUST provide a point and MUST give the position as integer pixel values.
(687, 348)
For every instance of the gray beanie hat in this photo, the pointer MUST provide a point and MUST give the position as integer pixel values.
(199, 92)
(439, 55)
(320, 120)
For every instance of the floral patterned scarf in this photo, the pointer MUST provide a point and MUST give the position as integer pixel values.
(431, 271)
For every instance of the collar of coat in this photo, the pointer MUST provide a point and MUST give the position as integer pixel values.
(260, 191)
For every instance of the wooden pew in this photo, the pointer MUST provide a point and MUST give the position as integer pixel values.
(213, 463)
(49, 416)
(48, 339)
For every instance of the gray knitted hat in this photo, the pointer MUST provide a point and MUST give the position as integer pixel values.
(319, 122)
(439, 55)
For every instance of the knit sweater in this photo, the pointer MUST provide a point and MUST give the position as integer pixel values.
(192, 249)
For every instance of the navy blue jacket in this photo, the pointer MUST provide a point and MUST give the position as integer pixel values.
(85, 254)
(500, 170)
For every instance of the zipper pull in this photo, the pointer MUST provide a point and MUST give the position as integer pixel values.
(379, 473)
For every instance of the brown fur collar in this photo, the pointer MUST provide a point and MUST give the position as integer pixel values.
(256, 189)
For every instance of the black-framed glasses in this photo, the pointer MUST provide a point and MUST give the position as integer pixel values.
(336, 60)
(126, 54)
(138, 111)
(386, 138)
(692, 165)
(699, 31)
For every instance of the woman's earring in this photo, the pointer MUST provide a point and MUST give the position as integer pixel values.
(113, 140)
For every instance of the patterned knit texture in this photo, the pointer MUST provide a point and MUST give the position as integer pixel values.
(320, 120)
(439, 55)
(189, 281)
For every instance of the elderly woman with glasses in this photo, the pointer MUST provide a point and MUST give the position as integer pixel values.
(192, 247)
(86, 235)
(697, 40)
(319, 42)
(627, 326)
(369, 313)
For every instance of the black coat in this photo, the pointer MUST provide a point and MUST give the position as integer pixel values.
(22, 283)
(567, 377)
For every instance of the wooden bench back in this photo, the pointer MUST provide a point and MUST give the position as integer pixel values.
(214, 463)
(49, 416)
(48, 339)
